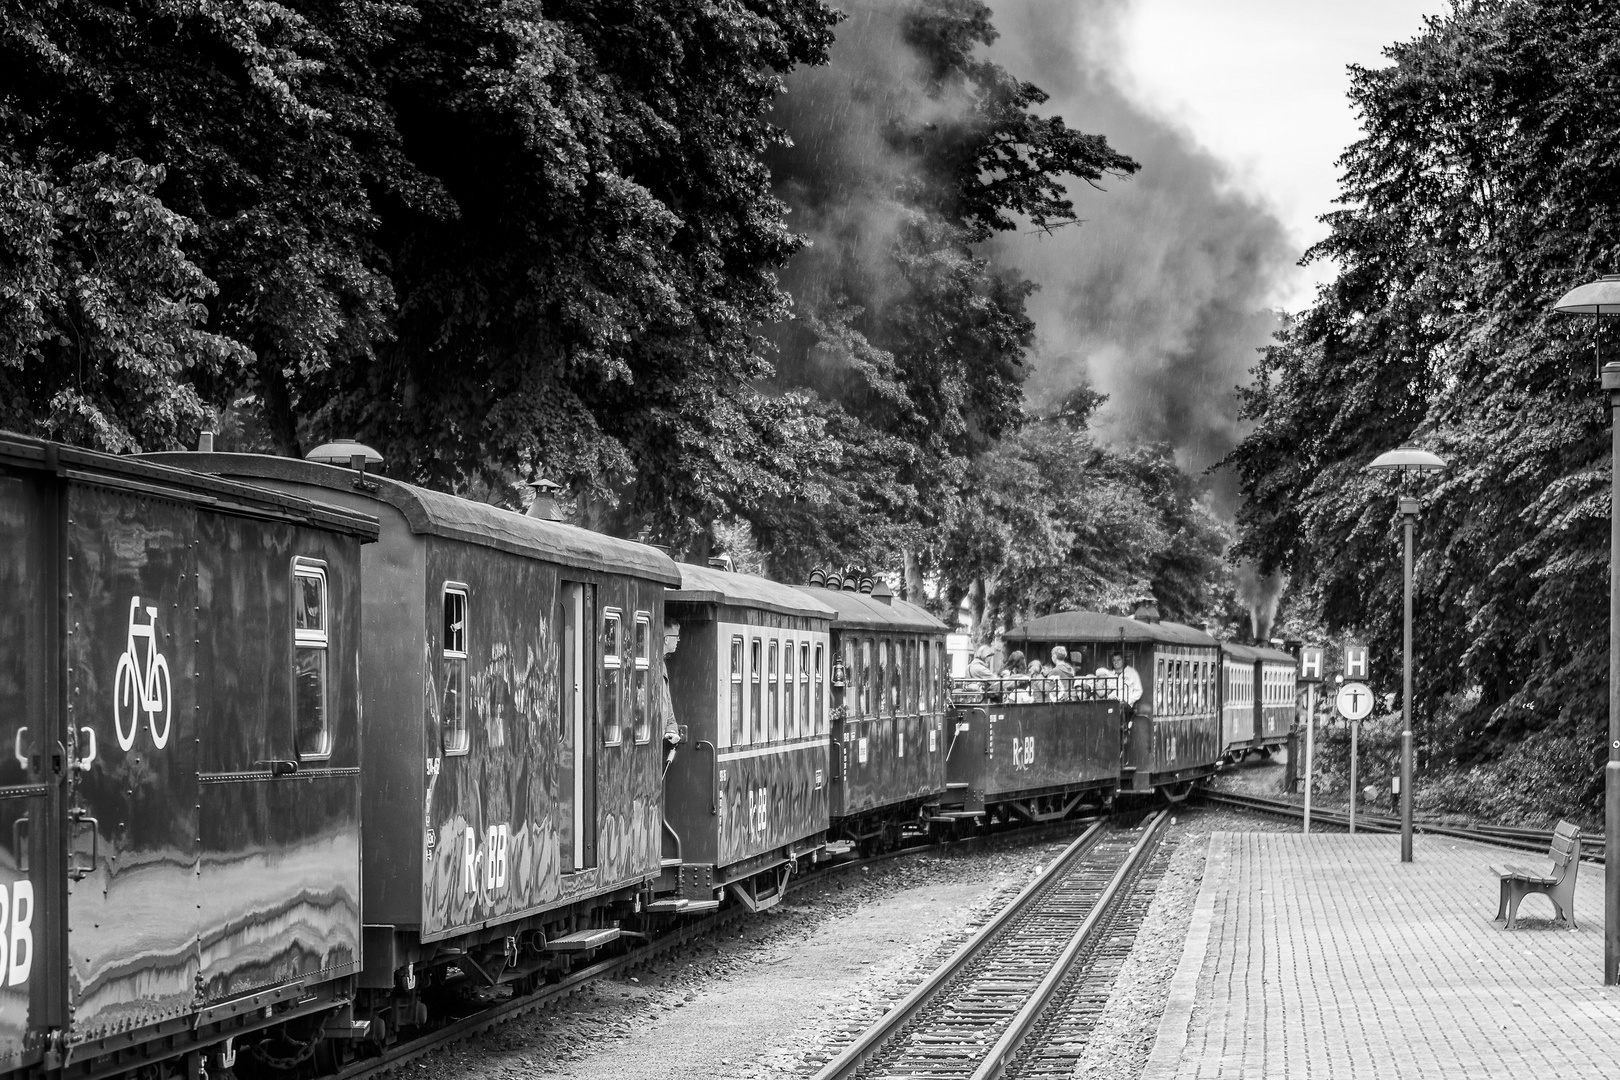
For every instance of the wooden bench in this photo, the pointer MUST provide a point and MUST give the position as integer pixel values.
(1557, 882)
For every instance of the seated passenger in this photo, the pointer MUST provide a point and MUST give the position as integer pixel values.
(979, 668)
(1061, 674)
(1016, 667)
(1039, 685)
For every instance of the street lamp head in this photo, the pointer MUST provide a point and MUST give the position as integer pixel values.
(1600, 297)
(1407, 460)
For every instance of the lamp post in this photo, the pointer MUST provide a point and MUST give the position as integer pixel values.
(1407, 462)
(1599, 299)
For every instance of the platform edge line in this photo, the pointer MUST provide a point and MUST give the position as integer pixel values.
(1170, 1042)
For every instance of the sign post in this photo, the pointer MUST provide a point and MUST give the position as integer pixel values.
(1355, 702)
(1310, 670)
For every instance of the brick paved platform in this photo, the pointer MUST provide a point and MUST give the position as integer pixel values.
(1324, 957)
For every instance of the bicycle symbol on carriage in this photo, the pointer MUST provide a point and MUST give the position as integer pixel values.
(137, 690)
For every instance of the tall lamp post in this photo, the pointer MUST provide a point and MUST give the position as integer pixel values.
(1599, 299)
(1407, 462)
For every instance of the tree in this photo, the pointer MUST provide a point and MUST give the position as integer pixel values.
(1484, 187)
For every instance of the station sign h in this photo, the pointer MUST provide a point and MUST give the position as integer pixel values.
(1355, 661)
(1355, 701)
(1310, 664)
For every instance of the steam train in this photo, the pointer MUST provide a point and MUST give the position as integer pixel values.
(364, 748)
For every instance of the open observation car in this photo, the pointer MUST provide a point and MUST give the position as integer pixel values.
(887, 752)
(180, 854)
(1171, 737)
(513, 797)
(746, 792)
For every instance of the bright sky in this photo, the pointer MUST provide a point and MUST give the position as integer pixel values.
(1262, 83)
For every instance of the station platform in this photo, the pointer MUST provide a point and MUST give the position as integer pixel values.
(1325, 957)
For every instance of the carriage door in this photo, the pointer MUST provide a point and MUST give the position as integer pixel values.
(576, 757)
(32, 995)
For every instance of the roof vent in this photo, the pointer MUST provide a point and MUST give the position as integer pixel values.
(356, 455)
(866, 584)
(882, 593)
(544, 505)
(1146, 610)
(722, 562)
(205, 442)
(852, 583)
(818, 578)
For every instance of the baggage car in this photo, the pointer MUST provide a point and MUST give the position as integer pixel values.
(180, 798)
(513, 800)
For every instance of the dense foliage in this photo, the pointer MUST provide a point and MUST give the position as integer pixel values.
(501, 238)
(1486, 185)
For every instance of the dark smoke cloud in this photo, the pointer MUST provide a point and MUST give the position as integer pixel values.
(1160, 298)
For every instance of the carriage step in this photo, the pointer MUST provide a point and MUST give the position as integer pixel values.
(665, 906)
(583, 940)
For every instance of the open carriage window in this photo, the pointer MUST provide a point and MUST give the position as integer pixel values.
(820, 713)
(311, 727)
(639, 677)
(612, 676)
(755, 704)
(453, 671)
(739, 734)
(807, 718)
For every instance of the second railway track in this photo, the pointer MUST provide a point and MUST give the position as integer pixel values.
(974, 1016)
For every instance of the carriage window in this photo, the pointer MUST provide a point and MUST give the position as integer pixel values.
(940, 671)
(639, 677)
(790, 692)
(755, 704)
(885, 679)
(820, 714)
(739, 735)
(866, 677)
(773, 689)
(1159, 704)
(808, 718)
(612, 677)
(917, 662)
(453, 716)
(311, 728)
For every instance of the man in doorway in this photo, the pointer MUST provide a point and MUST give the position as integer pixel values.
(1127, 683)
(666, 706)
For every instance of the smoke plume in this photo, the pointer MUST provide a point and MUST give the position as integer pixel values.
(1161, 297)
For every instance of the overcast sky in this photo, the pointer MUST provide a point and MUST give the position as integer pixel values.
(1261, 84)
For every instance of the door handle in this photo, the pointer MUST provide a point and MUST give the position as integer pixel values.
(714, 786)
(83, 764)
(75, 871)
(17, 750)
(280, 767)
(21, 832)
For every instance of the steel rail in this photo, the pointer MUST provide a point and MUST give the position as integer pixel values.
(1001, 1054)
(1513, 837)
(872, 1040)
(881, 1036)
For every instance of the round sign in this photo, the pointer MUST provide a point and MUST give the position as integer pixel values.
(1355, 701)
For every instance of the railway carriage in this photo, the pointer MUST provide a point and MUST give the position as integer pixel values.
(746, 792)
(887, 752)
(1257, 699)
(513, 798)
(1277, 701)
(1172, 736)
(180, 800)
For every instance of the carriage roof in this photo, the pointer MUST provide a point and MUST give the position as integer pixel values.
(436, 513)
(1065, 627)
(707, 585)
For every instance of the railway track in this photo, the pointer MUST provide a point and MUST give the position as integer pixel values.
(987, 1012)
(460, 1029)
(1508, 836)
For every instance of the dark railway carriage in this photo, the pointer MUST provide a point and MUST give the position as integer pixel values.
(887, 751)
(180, 793)
(746, 792)
(513, 797)
(1240, 704)
(1172, 735)
(1277, 697)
